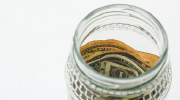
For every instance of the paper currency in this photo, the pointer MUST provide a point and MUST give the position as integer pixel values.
(114, 58)
(106, 45)
(145, 66)
(117, 64)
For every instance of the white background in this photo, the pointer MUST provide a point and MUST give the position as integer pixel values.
(36, 36)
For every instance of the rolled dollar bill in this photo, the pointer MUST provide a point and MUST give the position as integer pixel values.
(145, 66)
(114, 65)
(106, 45)
(119, 71)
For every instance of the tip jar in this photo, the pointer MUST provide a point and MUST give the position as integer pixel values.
(134, 26)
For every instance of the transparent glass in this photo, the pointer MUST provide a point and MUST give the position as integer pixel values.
(135, 27)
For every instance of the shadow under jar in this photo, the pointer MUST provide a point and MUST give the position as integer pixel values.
(133, 26)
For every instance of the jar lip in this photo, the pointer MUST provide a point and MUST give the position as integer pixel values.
(94, 75)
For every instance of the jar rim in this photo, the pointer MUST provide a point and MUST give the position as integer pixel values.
(98, 77)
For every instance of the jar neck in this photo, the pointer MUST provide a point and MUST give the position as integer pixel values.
(120, 14)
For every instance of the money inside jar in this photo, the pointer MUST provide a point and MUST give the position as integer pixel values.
(114, 58)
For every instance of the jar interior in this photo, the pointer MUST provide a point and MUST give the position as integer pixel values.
(138, 33)
(131, 35)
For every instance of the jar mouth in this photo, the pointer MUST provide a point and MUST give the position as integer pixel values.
(135, 81)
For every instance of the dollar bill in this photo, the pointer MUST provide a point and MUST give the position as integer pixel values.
(106, 45)
(121, 63)
(99, 66)
(119, 71)
(121, 66)
(145, 66)
(149, 58)
(98, 49)
(92, 47)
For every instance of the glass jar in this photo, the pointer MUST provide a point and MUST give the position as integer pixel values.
(128, 24)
